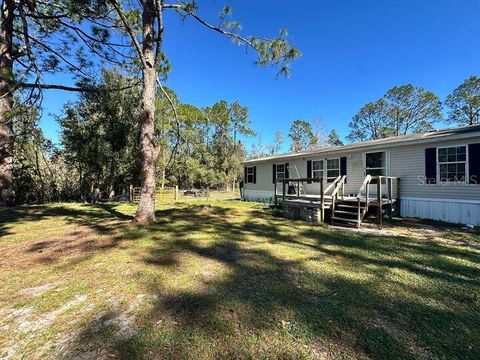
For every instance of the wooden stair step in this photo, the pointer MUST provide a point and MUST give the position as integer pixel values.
(347, 206)
(346, 212)
(354, 221)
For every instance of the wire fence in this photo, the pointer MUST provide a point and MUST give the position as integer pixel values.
(172, 194)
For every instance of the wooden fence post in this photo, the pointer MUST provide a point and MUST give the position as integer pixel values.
(130, 193)
(175, 195)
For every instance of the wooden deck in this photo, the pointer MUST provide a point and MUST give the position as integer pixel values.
(343, 208)
(315, 200)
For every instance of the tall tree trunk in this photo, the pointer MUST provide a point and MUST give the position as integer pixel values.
(146, 207)
(6, 104)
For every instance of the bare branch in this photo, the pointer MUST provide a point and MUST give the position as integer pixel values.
(75, 88)
(173, 6)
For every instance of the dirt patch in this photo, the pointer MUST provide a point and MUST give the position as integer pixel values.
(39, 290)
(24, 326)
(83, 241)
(422, 232)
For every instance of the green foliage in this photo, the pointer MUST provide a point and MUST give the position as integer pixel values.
(464, 103)
(370, 123)
(99, 136)
(210, 154)
(301, 136)
(277, 52)
(402, 110)
(40, 171)
(412, 109)
(334, 139)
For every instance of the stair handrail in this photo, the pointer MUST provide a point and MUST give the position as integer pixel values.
(329, 187)
(365, 186)
(340, 183)
(366, 181)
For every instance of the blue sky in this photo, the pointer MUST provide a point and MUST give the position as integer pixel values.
(353, 52)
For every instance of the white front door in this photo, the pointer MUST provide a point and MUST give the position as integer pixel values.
(376, 164)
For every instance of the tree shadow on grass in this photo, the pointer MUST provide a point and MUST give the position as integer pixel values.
(92, 215)
(97, 227)
(342, 297)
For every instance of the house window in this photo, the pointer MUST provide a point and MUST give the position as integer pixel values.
(452, 163)
(280, 172)
(317, 169)
(250, 171)
(333, 169)
(376, 163)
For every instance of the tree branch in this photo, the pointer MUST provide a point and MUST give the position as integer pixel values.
(216, 28)
(130, 32)
(74, 88)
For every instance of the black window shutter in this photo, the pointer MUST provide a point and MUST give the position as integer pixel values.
(343, 167)
(431, 165)
(287, 173)
(245, 175)
(309, 171)
(274, 173)
(474, 163)
(254, 174)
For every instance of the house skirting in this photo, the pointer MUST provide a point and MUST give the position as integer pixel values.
(258, 195)
(449, 210)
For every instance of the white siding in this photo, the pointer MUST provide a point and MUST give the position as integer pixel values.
(408, 163)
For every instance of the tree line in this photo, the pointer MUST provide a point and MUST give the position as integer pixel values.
(99, 146)
(409, 109)
(403, 110)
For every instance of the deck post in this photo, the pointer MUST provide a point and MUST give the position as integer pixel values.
(322, 199)
(275, 193)
(390, 197)
(398, 198)
(367, 194)
(358, 209)
(283, 190)
(298, 188)
(379, 202)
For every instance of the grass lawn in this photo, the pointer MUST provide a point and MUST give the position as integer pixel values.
(231, 280)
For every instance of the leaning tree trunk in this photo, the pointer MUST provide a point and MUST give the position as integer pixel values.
(6, 104)
(146, 207)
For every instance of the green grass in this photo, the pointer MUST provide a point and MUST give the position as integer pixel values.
(228, 279)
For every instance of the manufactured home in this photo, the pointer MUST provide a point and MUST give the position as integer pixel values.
(433, 175)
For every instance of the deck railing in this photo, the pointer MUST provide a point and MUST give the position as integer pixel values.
(364, 197)
(297, 195)
(339, 189)
(389, 197)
